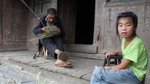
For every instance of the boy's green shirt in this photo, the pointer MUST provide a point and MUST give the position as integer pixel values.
(137, 53)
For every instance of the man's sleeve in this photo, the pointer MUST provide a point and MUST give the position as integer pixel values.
(38, 27)
(59, 25)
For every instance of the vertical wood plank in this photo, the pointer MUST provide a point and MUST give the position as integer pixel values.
(1, 22)
(67, 13)
(7, 17)
(14, 24)
(53, 4)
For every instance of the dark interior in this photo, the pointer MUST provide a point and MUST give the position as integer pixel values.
(85, 22)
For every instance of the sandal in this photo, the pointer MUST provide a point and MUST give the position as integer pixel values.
(62, 56)
(67, 66)
(61, 63)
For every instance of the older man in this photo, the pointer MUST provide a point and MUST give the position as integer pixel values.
(54, 44)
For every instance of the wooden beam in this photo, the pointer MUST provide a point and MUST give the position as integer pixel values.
(80, 48)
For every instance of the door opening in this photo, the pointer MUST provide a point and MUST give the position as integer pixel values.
(85, 22)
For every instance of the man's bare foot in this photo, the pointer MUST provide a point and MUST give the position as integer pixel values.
(62, 56)
(63, 64)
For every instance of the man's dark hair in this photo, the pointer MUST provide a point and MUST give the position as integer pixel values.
(52, 11)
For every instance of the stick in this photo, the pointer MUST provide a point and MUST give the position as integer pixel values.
(32, 11)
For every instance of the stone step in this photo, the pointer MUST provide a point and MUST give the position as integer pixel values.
(13, 75)
(85, 55)
(81, 48)
(23, 74)
(22, 61)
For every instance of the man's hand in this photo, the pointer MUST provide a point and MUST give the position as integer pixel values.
(59, 31)
(43, 29)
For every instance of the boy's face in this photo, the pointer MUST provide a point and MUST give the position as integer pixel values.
(51, 18)
(126, 27)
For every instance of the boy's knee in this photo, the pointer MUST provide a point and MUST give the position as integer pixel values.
(97, 70)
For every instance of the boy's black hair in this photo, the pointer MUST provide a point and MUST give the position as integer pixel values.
(125, 15)
(52, 11)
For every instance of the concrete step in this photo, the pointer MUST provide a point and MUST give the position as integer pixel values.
(79, 74)
(10, 74)
(85, 55)
(82, 48)
(20, 73)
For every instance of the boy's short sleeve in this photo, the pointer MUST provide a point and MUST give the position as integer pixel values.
(132, 53)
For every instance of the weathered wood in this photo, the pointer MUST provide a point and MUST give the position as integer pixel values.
(1, 22)
(105, 19)
(14, 25)
(16, 28)
(32, 45)
(105, 23)
(85, 55)
(67, 13)
(80, 48)
(53, 3)
(106, 15)
(13, 47)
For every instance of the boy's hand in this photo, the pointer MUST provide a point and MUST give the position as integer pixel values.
(110, 54)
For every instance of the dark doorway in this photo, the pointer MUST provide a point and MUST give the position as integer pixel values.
(85, 22)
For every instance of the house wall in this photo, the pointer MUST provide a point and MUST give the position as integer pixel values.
(105, 19)
(32, 41)
(17, 22)
(13, 25)
(67, 14)
(1, 22)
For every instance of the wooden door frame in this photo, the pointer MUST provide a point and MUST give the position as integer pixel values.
(67, 13)
(1, 22)
(82, 48)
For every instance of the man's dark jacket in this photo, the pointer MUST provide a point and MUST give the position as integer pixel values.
(38, 29)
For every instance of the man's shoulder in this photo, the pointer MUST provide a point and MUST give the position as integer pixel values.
(43, 17)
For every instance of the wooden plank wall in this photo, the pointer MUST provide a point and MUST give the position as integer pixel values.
(15, 18)
(105, 19)
(67, 13)
(32, 45)
(105, 29)
(1, 23)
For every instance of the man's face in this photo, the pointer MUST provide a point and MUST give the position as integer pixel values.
(51, 18)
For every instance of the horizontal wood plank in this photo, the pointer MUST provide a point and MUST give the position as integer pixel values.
(80, 48)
